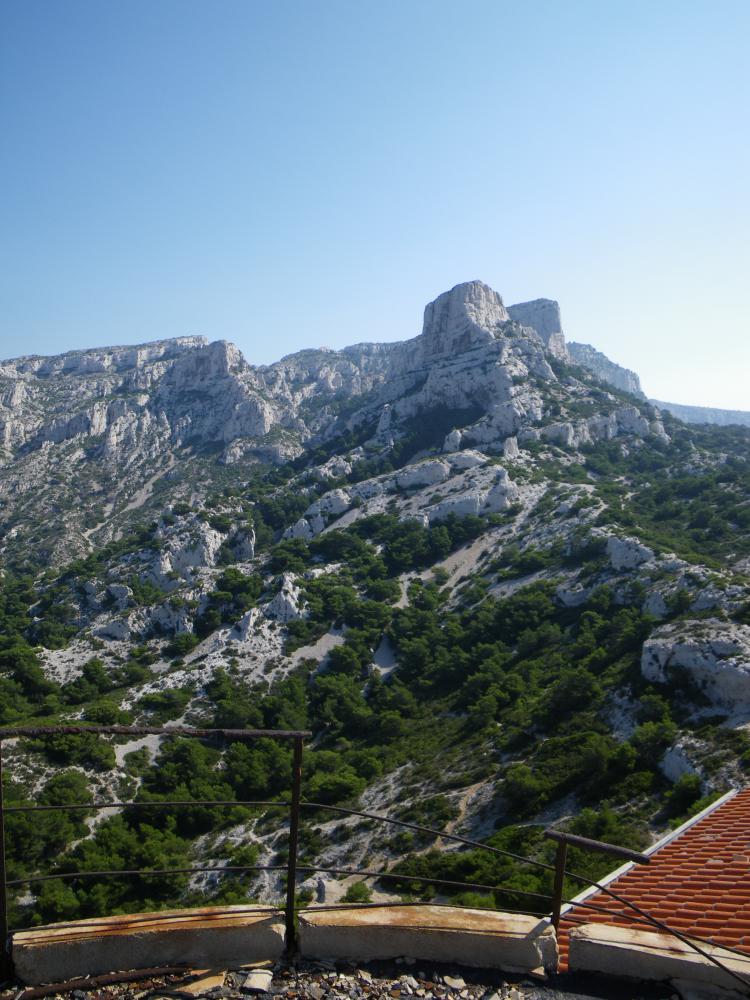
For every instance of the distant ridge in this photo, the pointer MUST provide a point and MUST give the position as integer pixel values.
(599, 364)
(704, 414)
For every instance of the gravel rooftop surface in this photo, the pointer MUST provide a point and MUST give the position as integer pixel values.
(374, 981)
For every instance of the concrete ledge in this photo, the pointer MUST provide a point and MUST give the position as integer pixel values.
(484, 939)
(652, 957)
(211, 937)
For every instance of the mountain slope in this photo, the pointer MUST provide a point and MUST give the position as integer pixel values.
(501, 592)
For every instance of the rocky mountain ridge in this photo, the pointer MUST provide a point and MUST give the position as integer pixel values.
(74, 418)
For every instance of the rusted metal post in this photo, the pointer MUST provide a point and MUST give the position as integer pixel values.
(291, 872)
(573, 840)
(6, 963)
(557, 892)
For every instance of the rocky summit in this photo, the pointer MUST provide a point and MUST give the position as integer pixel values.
(502, 588)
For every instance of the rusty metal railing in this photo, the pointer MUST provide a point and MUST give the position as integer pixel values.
(226, 735)
(295, 804)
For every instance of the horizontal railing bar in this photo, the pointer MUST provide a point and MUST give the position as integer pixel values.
(228, 734)
(597, 845)
(156, 803)
(139, 872)
(233, 869)
(257, 802)
(418, 878)
(427, 829)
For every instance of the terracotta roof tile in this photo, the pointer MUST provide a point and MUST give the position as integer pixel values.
(698, 883)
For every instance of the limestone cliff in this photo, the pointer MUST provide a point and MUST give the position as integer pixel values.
(600, 365)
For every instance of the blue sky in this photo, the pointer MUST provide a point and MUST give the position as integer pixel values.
(290, 174)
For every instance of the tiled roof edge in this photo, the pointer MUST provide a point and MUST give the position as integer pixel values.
(666, 839)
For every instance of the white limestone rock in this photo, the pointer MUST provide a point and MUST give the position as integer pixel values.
(603, 427)
(122, 596)
(657, 429)
(543, 316)
(335, 502)
(469, 503)
(334, 468)
(171, 619)
(715, 654)
(383, 433)
(116, 629)
(189, 545)
(423, 474)
(461, 319)
(300, 529)
(469, 459)
(600, 365)
(243, 544)
(627, 553)
(655, 605)
(677, 761)
(452, 440)
(510, 448)
(567, 434)
(246, 626)
(490, 497)
(630, 420)
(502, 495)
(572, 597)
(286, 606)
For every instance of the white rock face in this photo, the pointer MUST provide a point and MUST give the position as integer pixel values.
(300, 529)
(286, 605)
(468, 459)
(452, 441)
(424, 474)
(116, 629)
(510, 448)
(334, 468)
(171, 620)
(676, 761)
(655, 605)
(631, 421)
(627, 553)
(600, 365)
(243, 545)
(542, 315)
(502, 495)
(461, 319)
(461, 506)
(715, 654)
(121, 595)
(335, 502)
(572, 597)
(191, 544)
(475, 500)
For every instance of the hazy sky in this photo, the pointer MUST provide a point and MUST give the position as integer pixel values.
(290, 174)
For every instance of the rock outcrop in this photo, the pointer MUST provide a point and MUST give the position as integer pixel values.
(608, 371)
(542, 315)
(713, 654)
